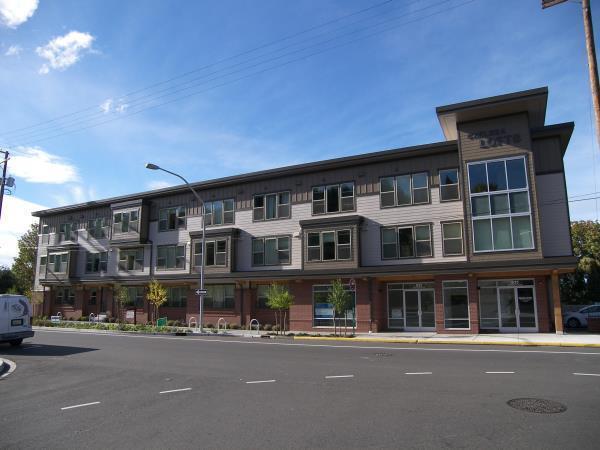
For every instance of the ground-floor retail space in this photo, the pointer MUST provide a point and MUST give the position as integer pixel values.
(456, 303)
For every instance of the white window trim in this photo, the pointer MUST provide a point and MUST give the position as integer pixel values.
(277, 204)
(264, 252)
(339, 187)
(412, 190)
(320, 233)
(462, 238)
(396, 228)
(490, 217)
(215, 240)
(457, 184)
(172, 268)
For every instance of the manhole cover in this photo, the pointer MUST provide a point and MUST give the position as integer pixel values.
(537, 405)
(383, 355)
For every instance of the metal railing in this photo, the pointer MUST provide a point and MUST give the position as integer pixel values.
(219, 324)
(257, 326)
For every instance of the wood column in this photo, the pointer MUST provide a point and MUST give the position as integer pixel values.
(558, 319)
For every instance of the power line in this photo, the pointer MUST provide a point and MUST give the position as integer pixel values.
(270, 67)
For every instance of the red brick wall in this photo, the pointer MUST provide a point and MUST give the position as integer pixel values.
(543, 311)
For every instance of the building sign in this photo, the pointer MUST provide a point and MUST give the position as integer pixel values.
(495, 138)
(323, 311)
(130, 314)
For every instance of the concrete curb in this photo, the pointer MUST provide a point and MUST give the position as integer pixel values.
(6, 368)
(446, 341)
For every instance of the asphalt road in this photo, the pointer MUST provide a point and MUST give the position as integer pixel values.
(167, 392)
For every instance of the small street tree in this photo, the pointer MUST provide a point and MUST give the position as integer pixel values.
(23, 268)
(157, 296)
(122, 300)
(341, 301)
(280, 300)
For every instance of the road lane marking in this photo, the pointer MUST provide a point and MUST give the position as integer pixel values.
(11, 367)
(360, 347)
(260, 381)
(175, 390)
(80, 406)
(417, 373)
(329, 377)
(498, 372)
(587, 374)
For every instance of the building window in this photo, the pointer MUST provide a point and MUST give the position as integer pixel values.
(64, 296)
(456, 305)
(176, 297)
(124, 222)
(261, 296)
(329, 245)
(333, 198)
(67, 232)
(171, 218)
(500, 209)
(58, 262)
(323, 313)
(271, 206)
(404, 190)
(220, 296)
(219, 212)
(45, 233)
(170, 257)
(131, 259)
(96, 262)
(271, 251)
(136, 296)
(452, 236)
(216, 253)
(449, 186)
(93, 297)
(43, 262)
(406, 242)
(97, 228)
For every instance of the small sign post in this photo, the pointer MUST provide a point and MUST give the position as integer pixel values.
(201, 291)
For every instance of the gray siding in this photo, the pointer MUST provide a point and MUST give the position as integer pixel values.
(554, 215)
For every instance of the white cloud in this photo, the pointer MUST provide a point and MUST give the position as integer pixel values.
(16, 220)
(106, 105)
(64, 51)
(34, 165)
(122, 107)
(109, 105)
(13, 50)
(75, 193)
(16, 12)
(158, 184)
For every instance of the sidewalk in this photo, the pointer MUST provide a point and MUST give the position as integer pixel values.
(523, 339)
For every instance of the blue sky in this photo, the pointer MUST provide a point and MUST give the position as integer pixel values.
(61, 57)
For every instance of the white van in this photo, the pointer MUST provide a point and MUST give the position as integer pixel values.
(15, 319)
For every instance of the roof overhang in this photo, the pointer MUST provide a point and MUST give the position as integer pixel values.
(533, 102)
(561, 130)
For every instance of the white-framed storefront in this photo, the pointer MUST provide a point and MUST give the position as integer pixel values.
(411, 306)
(508, 305)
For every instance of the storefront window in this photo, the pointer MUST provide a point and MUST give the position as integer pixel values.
(456, 305)
(323, 314)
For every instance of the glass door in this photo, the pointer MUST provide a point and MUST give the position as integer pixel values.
(517, 309)
(526, 308)
(427, 310)
(411, 307)
(508, 307)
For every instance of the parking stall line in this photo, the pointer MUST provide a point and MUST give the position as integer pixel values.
(175, 390)
(79, 406)
(418, 373)
(587, 374)
(260, 381)
(330, 377)
(496, 373)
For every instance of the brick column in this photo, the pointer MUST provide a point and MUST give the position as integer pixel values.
(541, 300)
(558, 319)
(439, 305)
(249, 301)
(473, 304)
(363, 306)
(379, 299)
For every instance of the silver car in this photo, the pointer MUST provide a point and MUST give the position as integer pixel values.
(576, 319)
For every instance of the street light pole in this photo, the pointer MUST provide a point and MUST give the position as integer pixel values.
(202, 212)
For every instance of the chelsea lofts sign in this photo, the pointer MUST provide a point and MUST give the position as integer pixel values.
(495, 138)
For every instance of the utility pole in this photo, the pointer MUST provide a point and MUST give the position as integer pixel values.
(591, 54)
(3, 180)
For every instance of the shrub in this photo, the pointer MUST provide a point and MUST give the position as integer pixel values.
(276, 328)
(267, 327)
(234, 326)
(170, 323)
(209, 325)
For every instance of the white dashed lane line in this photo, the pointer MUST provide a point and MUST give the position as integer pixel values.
(499, 372)
(418, 373)
(330, 377)
(79, 406)
(175, 390)
(587, 374)
(260, 381)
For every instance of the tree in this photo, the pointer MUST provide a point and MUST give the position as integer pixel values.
(122, 300)
(24, 266)
(157, 296)
(279, 299)
(7, 280)
(341, 300)
(583, 286)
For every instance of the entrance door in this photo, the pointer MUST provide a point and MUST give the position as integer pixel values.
(517, 309)
(419, 306)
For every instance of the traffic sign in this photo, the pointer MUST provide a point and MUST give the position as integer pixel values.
(201, 292)
(352, 284)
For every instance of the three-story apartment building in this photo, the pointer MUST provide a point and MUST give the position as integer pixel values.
(466, 235)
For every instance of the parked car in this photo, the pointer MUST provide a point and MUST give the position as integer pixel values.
(15, 319)
(576, 319)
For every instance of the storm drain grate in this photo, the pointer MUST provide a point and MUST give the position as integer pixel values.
(383, 355)
(537, 405)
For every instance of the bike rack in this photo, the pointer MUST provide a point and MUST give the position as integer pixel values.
(219, 324)
(92, 317)
(194, 321)
(257, 326)
(59, 314)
